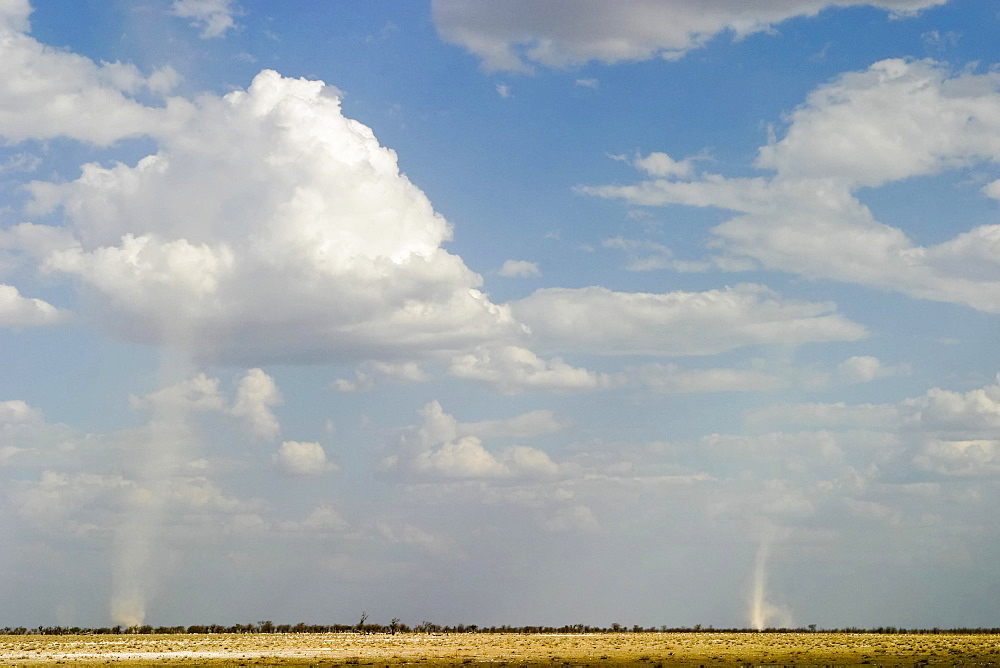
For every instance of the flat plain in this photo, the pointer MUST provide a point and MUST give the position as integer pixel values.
(702, 649)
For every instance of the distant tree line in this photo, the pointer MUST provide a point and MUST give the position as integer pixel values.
(395, 626)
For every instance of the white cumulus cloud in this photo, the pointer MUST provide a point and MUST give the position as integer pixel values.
(519, 269)
(54, 93)
(441, 448)
(895, 120)
(301, 458)
(256, 394)
(214, 17)
(307, 243)
(18, 311)
(512, 369)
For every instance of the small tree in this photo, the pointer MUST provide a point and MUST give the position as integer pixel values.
(361, 623)
(394, 625)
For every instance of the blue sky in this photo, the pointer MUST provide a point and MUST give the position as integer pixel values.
(500, 313)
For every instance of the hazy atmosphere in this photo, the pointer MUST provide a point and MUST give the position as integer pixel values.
(659, 312)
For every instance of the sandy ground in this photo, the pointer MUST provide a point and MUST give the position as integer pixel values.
(638, 649)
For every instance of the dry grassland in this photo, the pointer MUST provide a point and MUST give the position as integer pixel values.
(711, 650)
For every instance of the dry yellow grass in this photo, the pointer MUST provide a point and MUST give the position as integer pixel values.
(639, 649)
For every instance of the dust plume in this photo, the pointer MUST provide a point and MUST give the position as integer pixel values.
(157, 450)
(763, 613)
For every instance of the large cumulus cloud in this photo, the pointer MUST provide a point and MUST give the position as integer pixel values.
(269, 226)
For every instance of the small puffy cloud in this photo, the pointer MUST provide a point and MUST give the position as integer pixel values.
(18, 311)
(467, 458)
(16, 411)
(362, 382)
(301, 458)
(511, 369)
(440, 447)
(588, 83)
(658, 164)
(598, 320)
(214, 17)
(862, 369)
(517, 34)
(256, 394)
(519, 269)
(503, 90)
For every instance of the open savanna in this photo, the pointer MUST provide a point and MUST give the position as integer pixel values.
(594, 649)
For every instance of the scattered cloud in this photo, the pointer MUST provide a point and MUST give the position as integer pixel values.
(214, 17)
(18, 311)
(511, 370)
(517, 35)
(937, 42)
(16, 410)
(439, 449)
(896, 120)
(366, 378)
(256, 394)
(864, 368)
(659, 164)
(598, 320)
(520, 269)
(302, 458)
